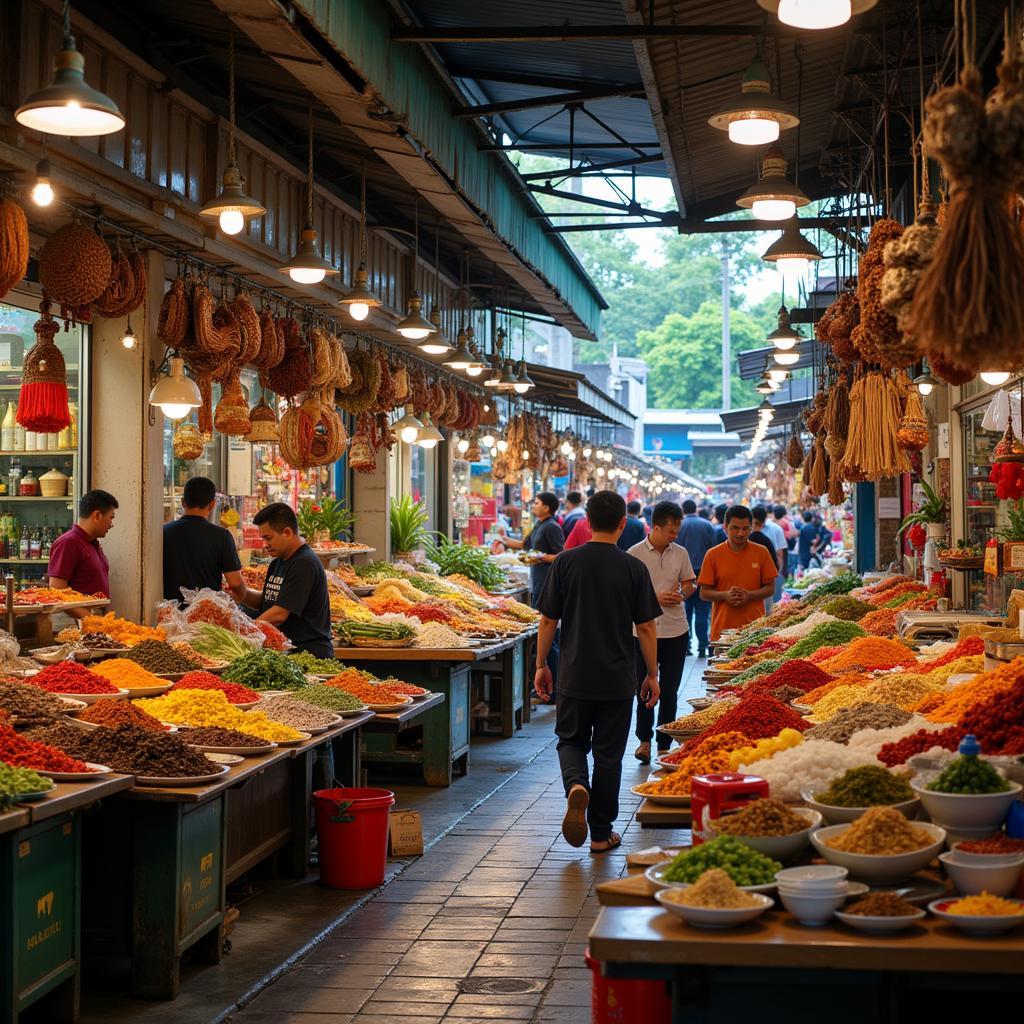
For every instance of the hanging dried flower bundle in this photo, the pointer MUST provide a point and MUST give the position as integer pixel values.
(913, 432)
(906, 258)
(872, 449)
(837, 419)
(794, 452)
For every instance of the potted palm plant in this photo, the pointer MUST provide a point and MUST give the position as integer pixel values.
(408, 526)
(931, 513)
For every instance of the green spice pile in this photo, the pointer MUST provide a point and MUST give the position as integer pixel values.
(846, 607)
(265, 670)
(215, 736)
(841, 584)
(134, 751)
(751, 639)
(828, 634)
(762, 668)
(867, 786)
(844, 723)
(16, 781)
(764, 817)
(331, 698)
(881, 904)
(743, 864)
(29, 705)
(969, 774)
(157, 656)
(316, 666)
(296, 713)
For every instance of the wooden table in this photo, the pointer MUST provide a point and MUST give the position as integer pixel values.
(440, 670)
(793, 973)
(40, 885)
(158, 859)
(652, 815)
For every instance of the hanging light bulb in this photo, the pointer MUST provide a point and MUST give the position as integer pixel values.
(816, 14)
(175, 393)
(128, 339)
(502, 445)
(785, 336)
(764, 386)
(429, 435)
(754, 116)
(565, 447)
(360, 300)
(526, 453)
(408, 427)
(994, 377)
(779, 376)
(68, 105)
(463, 445)
(414, 327)
(587, 452)
(435, 344)
(487, 440)
(926, 383)
(307, 266)
(42, 189)
(600, 470)
(523, 382)
(766, 411)
(571, 456)
(600, 453)
(232, 207)
(774, 196)
(791, 252)
(786, 358)
(494, 451)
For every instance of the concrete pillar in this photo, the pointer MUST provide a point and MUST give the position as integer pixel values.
(370, 497)
(127, 452)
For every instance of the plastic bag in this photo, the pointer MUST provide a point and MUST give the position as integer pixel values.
(1003, 405)
(215, 606)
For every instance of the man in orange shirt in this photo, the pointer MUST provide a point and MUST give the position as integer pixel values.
(736, 576)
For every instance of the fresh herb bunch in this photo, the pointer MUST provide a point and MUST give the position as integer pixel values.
(469, 560)
(266, 670)
(217, 642)
(350, 628)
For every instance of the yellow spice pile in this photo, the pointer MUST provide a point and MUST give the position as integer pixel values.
(881, 832)
(211, 707)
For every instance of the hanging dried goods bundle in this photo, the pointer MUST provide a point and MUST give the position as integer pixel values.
(385, 400)
(872, 450)
(400, 381)
(322, 371)
(311, 434)
(845, 319)
(950, 371)
(879, 338)
(231, 417)
(188, 442)
(817, 479)
(913, 432)
(13, 245)
(264, 423)
(175, 315)
(361, 394)
(250, 329)
(361, 456)
(119, 293)
(905, 260)
(138, 265)
(291, 376)
(795, 452)
(343, 372)
(969, 302)
(271, 350)
(837, 419)
(74, 266)
(835, 483)
(43, 402)
(815, 416)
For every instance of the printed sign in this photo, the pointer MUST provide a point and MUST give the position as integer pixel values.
(406, 834)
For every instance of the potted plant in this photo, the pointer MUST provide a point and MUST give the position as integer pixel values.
(931, 512)
(408, 526)
(1013, 538)
(325, 520)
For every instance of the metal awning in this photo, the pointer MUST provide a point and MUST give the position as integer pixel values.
(752, 362)
(571, 392)
(744, 421)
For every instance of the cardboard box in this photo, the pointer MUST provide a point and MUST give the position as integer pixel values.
(405, 834)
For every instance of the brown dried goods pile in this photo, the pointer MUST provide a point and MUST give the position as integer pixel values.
(58, 733)
(13, 245)
(215, 736)
(881, 904)
(29, 705)
(135, 751)
(844, 723)
(764, 817)
(113, 713)
(881, 832)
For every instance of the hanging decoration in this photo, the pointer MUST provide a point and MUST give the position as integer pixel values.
(905, 260)
(913, 432)
(43, 401)
(795, 451)
(837, 419)
(187, 442)
(231, 417)
(264, 423)
(872, 449)
(13, 245)
(361, 392)
(74, 268)
(311, 434)
(291, 376)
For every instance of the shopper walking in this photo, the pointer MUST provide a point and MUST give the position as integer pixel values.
(673, 579)
(807, 542)
(736, 576)
(697, 535)
(635, 529)
(720, 511)
(777, 537)
(76, 558)
(598, 593)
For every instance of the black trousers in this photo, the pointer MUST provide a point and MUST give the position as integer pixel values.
(601, 727)
(671, 656)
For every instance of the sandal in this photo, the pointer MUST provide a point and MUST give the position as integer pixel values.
(574, 824)
(613, 840)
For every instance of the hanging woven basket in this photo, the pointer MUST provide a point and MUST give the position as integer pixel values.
(264, 424)
(43, 402)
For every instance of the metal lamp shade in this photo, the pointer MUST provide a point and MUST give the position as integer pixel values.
(755, 115)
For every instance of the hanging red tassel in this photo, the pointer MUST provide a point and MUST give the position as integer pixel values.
(43, 403)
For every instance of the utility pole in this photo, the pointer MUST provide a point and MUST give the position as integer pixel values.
(726, 369)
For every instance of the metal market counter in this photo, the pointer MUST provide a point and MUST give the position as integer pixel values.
(786, 972)
(445, 739)
(157, 860)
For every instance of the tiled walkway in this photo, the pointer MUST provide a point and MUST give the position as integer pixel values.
(490, 924)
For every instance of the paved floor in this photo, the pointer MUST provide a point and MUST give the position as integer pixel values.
(490, 924)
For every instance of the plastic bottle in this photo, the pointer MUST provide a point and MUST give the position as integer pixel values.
(19, 434)
(7, 429)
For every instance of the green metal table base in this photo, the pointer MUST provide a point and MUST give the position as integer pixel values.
(508, 666)
(40, 874)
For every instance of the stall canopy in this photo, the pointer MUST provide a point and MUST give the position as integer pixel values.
(572, 393)
(744, 421)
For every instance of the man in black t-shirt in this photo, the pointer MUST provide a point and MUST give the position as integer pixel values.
(294, 596)
(198, 553)
(599, 593)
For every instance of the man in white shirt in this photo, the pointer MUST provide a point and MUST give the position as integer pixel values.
(674, 580)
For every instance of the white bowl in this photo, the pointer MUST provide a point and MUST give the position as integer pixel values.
(843, 815)
(655, 874)
(880, 925)
(812, 875)
(777, 847)
(977, 924)
(970, 877)
(966, 857)
(879, 867)
(967, 810)
(963, 835)
(713, 917)
(812, 908)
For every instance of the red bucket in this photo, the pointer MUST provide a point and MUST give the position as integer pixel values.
(352, 831)
(627, 1000)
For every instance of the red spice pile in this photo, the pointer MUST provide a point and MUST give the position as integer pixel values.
(236, 693)
(208, 610)
(70, 677)
(902, 750)
(23, 753)
(274, 639)
(824, 653)
(759, 716)
(799, 672)
(964, 649)
(428, 613)
(773, 645)
(1000, 843)
(998, 723)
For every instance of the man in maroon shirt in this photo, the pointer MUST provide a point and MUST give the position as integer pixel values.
(76, 558)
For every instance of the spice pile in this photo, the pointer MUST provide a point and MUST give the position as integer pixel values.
(985, 905)
(901, 751)
(136, 751)
(765, 748)
(764, 817)
(128, 633)
(113, 713)
(266, 670)
(28, 705)
(997, 844)
(846, 607)
(847, 721)
(194, 658)
(215, 736)
(760, 716)
(19, 752)
(881, 832)
(437, 634)
(314, 666)
(867, 786)
(15, 782)
(743, 864)
(296, 713)
(702, 719)
(70, 677)
(210, 707)
(811, 765)
(157, 656)
(97, 642)
(881, 904)
(127, 675)
(871, 652)
(330, 698)
(828, 634)
(714, 890)
(236, 693)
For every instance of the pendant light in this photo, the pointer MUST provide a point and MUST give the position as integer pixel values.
(42, 187)
(926, 383)
(429, 435)
(360, 300)
(778, 375)
(128, 339)
(791, 252)
(994, 377)
(68, 105)
(816, 14)
(232, 209)
(507, 381)
(408, 427)
(436, 344)
(785, 336)
(774, 196)
(790, 358)
(477, 365)
(175, 393)
(523, 383)
(755, 115)
(766, 411)
(307, 266)
(764, 386)
(415, 327)
(461, 358)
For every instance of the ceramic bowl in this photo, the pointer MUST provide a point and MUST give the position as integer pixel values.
(967, 810)
(844, 815)
(814, 909)
(778, 847)
(879, 867)
(655, 874)
(825, 876)
(880, 925)
(970, 877)
(964, 835)
(966, 857)
(713, 917)
(977, 924)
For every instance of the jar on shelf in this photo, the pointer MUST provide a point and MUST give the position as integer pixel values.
(28, 486)
(53, 484)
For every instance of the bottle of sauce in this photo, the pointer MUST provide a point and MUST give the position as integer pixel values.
(7, 429)
(19, 434)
